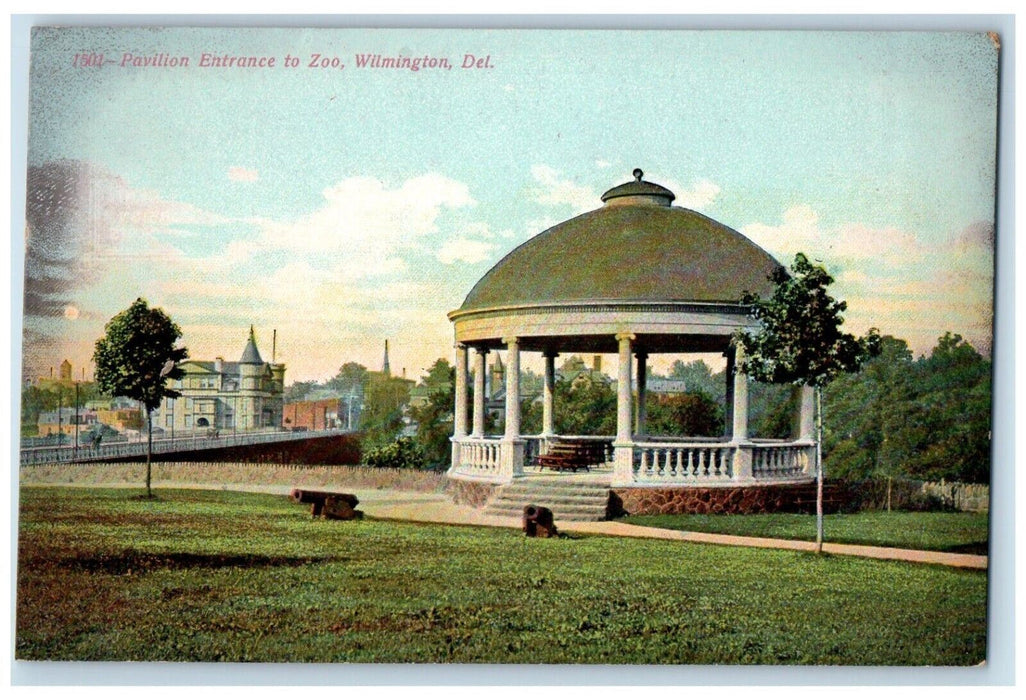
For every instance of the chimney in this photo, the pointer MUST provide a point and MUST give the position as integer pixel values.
(218, 364)
(596, 363)
(384, 365)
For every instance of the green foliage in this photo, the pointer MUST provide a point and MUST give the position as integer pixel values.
(350, 379)
(237, 577)
(699, 377)
(434, 418)
(385, 402)
(297, 391)
(402, 453)
(772, 409)
(584, 406)
(800, 340)
(137, 357)
(927, 418)
(691, 414)
(131, 356)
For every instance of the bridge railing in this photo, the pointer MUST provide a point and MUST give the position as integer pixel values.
(114, 450)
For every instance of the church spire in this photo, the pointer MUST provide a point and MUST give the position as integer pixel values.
(384, 365)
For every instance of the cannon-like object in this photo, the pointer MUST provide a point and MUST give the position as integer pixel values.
(538, 522)
(334, 506)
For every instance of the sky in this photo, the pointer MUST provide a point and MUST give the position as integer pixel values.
(342, 207)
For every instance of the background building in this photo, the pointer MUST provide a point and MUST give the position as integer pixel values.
(316, 415)
(217, 395)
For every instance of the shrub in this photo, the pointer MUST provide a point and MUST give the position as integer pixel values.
(403, 453)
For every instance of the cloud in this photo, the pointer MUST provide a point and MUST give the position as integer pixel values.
(367, 226)
(464, 250)
(894, 280)
(237, 173)
(700, 195)
(800, 231)
(555, 191)
(602, 163)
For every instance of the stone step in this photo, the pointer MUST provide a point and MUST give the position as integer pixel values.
(542, 499)
(575, 501)
(555, 488)
(550, 493)
(559, 514)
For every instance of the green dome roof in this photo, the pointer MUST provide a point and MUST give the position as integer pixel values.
(635, 248)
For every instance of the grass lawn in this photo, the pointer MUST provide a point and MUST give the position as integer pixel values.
(946, 532)
(222, 576)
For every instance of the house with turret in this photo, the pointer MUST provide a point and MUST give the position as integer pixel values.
(221, 395)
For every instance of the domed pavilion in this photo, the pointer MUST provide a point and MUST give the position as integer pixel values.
(635, 277)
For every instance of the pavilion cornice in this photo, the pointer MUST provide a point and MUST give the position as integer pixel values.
(602, 306)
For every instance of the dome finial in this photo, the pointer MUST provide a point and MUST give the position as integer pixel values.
(638, 173)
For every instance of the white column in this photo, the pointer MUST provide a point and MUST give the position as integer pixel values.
(512, 388)
(623, 389)
(740, 398)
(642, 372)
(807, 414)
(512, 445)
(459, 423)
(548, 394)
(479, 392)
(623, 446)
(743, 453)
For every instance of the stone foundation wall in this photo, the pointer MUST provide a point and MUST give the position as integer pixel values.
(469, 493)
(730, 499)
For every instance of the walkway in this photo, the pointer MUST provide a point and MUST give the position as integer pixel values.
(419, 507)
(435, 508)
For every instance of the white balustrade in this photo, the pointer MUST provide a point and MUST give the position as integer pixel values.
(698, 462)
(781, 461)
(479, 457)
(667, 462)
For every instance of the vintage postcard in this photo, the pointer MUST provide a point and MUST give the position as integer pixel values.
(507, 346)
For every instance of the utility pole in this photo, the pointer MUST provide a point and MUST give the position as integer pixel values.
(75, 448)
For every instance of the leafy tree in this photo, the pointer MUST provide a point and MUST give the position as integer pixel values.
(297, 391)
(136, 357)
(385, 402)
(692, 414)
(584, 406)
(434, 418)
(771, 410)
(949, 422)
(350, 379)
(800, 341)
(698, 376)
(927, 418)
(869, 413)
